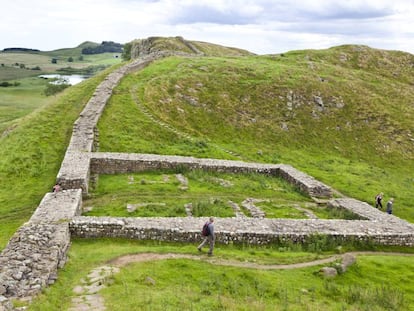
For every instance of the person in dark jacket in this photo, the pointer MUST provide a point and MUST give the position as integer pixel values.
(378, 200)
(210, 238)
(389, 205)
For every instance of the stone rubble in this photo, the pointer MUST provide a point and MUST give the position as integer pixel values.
(254, 211)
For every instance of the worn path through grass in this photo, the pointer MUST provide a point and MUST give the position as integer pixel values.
(88, 297)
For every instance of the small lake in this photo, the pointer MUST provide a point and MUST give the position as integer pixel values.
(67, 79)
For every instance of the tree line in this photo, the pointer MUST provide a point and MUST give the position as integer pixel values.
(104, 47)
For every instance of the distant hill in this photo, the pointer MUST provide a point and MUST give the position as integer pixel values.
(178, 44)
(22, 50)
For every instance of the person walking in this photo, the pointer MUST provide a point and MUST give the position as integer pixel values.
(389, 206)
(209, 236)
(378, 200)
(56, 188)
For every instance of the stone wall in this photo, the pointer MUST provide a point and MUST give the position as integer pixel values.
(74, 171)
(115, 163)
(35, 252)
(304, 182)
(242, 230)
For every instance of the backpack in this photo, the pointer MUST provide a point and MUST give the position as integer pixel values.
(206, 230)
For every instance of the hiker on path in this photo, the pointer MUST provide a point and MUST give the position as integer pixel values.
(209, 237)
(389, 205)
(378, 199)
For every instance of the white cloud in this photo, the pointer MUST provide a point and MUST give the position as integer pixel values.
(262, 26)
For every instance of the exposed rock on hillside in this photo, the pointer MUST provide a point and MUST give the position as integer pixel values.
(179, 45)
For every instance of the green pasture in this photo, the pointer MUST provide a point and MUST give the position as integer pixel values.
(160, 193)
(208, 193)
(19, 101)
(10, 63)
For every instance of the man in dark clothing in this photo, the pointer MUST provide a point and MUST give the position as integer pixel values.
(378, 200)
(211, 237)
(389, 206)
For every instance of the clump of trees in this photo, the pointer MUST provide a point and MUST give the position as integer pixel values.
(52, 89)
(20, 50)
(104, 47)
(126, 53)
(7, 84)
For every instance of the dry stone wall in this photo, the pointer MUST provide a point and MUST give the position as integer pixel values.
(74, 171)
(243, 230)
(35, 252)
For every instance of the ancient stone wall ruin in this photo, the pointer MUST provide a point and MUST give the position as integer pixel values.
(35, 252)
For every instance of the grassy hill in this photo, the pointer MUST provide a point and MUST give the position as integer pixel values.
(344, 115)
(140, 47)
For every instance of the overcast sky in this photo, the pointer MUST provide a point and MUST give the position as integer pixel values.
(260, 26)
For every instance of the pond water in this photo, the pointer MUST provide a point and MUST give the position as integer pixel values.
(67, 79)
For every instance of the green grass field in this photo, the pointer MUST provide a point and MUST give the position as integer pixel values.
(32, 151)
(18, 101)
(160, 193)
(10, 63)
(209, 193)
(375, 282)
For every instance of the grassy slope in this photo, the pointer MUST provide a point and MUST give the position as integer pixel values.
(181, 45)
(265, 108)
(19, 101)
(31, 154)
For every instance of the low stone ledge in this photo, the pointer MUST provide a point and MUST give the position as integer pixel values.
(74, 171)
(304, 182)
(112, 163)
(366, 211)
(58, 207)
